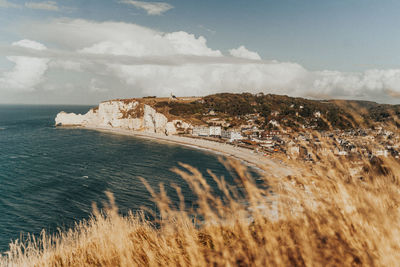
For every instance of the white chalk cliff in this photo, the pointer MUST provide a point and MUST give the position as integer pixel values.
(122, 114)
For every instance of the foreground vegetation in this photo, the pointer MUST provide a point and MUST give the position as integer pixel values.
(322, 215)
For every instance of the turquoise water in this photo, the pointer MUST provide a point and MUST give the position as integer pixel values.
(49, 177)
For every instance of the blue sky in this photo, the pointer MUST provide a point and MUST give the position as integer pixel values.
(343, 35)
(331, 46)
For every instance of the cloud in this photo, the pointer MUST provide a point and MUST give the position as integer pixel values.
(7, 4)
(117, 38)
(27, 72)
(367, 84)
(243, 52)
(66, 64)
(130, 60)
(96, 86)
(47, 5)
(152, 8)
(75, 60)
(30, 44)
(207, 79)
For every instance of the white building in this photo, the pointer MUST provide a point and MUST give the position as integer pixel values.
(207, 131)
(201, 131)
(231, 135)
(215, 130)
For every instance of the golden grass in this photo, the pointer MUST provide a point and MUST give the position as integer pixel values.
(322, 216)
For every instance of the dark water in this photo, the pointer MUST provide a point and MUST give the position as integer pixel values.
(49, 177)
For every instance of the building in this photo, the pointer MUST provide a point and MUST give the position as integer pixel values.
(201, 131)
(269, 135)
(215, 131)
(207, 131)
(231, 135)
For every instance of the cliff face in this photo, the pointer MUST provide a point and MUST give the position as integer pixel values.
(131, 115)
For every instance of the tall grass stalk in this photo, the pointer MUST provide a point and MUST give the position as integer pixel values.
(323, 215)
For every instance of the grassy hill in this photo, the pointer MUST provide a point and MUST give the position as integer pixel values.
(288, 111)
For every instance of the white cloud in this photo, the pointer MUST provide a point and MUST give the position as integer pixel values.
(131, 60)
(364, 84)
(46, 5)
(152, 8)
(118, 38)
(69, 65)
(187, 44)
(96, 86)
(27, 72)
(206, 79)
(7, 4)
(30, 44)
(243, 52)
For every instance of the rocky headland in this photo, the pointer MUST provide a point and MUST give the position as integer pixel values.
(123, 114)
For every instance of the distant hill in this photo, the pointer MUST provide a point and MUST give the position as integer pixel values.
(287, 111)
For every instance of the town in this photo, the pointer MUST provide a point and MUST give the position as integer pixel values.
(301, 145)
(297, 128)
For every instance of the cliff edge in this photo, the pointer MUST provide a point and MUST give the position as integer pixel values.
(132, 115)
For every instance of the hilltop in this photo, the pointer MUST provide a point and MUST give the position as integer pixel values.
(269, 110)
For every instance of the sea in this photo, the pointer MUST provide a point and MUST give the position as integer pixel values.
(50, 176)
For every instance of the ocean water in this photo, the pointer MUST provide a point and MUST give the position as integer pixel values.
(49, 177)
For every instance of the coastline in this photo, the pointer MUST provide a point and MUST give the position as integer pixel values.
(247, 156)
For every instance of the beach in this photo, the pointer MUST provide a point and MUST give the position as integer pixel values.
(247, 156)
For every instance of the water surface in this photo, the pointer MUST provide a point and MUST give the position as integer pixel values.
(49, 177)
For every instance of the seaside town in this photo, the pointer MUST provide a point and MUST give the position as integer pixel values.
(297, 145)
(307, 143)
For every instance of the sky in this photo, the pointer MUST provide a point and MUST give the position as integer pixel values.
(87, 51)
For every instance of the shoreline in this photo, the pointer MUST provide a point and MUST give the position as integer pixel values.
(242, 154)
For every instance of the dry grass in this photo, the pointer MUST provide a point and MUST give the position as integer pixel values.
(323, 216)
